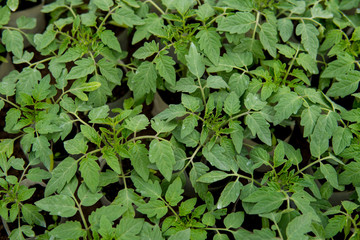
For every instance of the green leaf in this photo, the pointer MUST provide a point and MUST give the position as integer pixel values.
(285, 50)
(151, 189)
(346, 84)
(288, 104)
(126, 16)
(330, 174)
(43, 40)
(181, 235)
(210, 43)
(111, 159)
(240, 22)
(204, 12)
(76, 145)
(259, 126)
(318, 144)
(341, 66)
(341, 139)
(268, 38)
(99, 113)
(174, 191)
(91, 134)
(152, 23)
(213, 176)
(165, 67)
(239, 83)
(41, 147)
(188, 125)
(89, 170)
(195, 61)
(183, 6)
(298, 227)
(186, 207)
(109, 39)
(4, 15)
(232, 104)
(85, 66)
(216, 82)
(230, 194)
(60, 205)
(128, 228)
(237, 136)
(32, 216)
(110, 72)
(309, 117)
(61, 175)
(86, 197)
(140, 160)
(147, 50)
(144, 80)
(308, 63)
(162, 154)
(192, 103)
(217, 158)
(184, 85)
(234, 220)
(153, 208)
(265, 201)
(309, 38)
(68, 230)
(137, 123)
(252, 101)
(25, 22)
(335, 225)
(245, 5)
(286, 28)
(172, 112)
(13, 41)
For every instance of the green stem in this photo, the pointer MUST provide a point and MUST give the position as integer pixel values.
(256, 24)
(291, 64)
(190, 160)
(107, 16)
(311, 164)
(146, 137)
(9, 102)
(156, 6)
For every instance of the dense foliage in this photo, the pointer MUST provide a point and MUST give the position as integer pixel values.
(261, 139)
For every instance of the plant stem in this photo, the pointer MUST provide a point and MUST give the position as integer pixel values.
(311, 164)
(10, 102)
(156, 6)
(291, 64)
(146, 137)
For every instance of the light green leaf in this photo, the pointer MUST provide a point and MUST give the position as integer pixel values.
(259, 126)
(151, 189)
(109, 39)
(346, 84)
(230, 194)
(252, 101)
(298, 227)
(76, 145)
(232, 104)
(147, 50)
(309, 38)
(99, 113)
(192, 103)
(265, 201)
(308, 63)
(68, 230)
(31, 215)
(318, 144)
(239, 83)
(341, 66)
(174, 191)
(89, 170)
(153, 208)
(172, 112)
(240, 22)
(309, 117)
(104, 4)
(140, 160)
(184, 85)
(216, 82)
(210, 43)
(335, 225)
(137, 123)
(318, 12)
(216, 156)
(268, 38)
(237, 136)
(144, 80)
(91, 134)
(213, 176)
(85, 66)
(126, 16)
(61, 175)
(128, 228)
(25, 22)
(111, 159)
(4, 15)
(181, 235)
(41, 147)
(330, 174)
(13, 41)
(288, 104)
(165, 67)
(234, 220)
(60, 205)
(341, 139)
(195, 61)
(204, 12)
(86, 197)
(188, 126)
(286, 28)
(162, 154)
